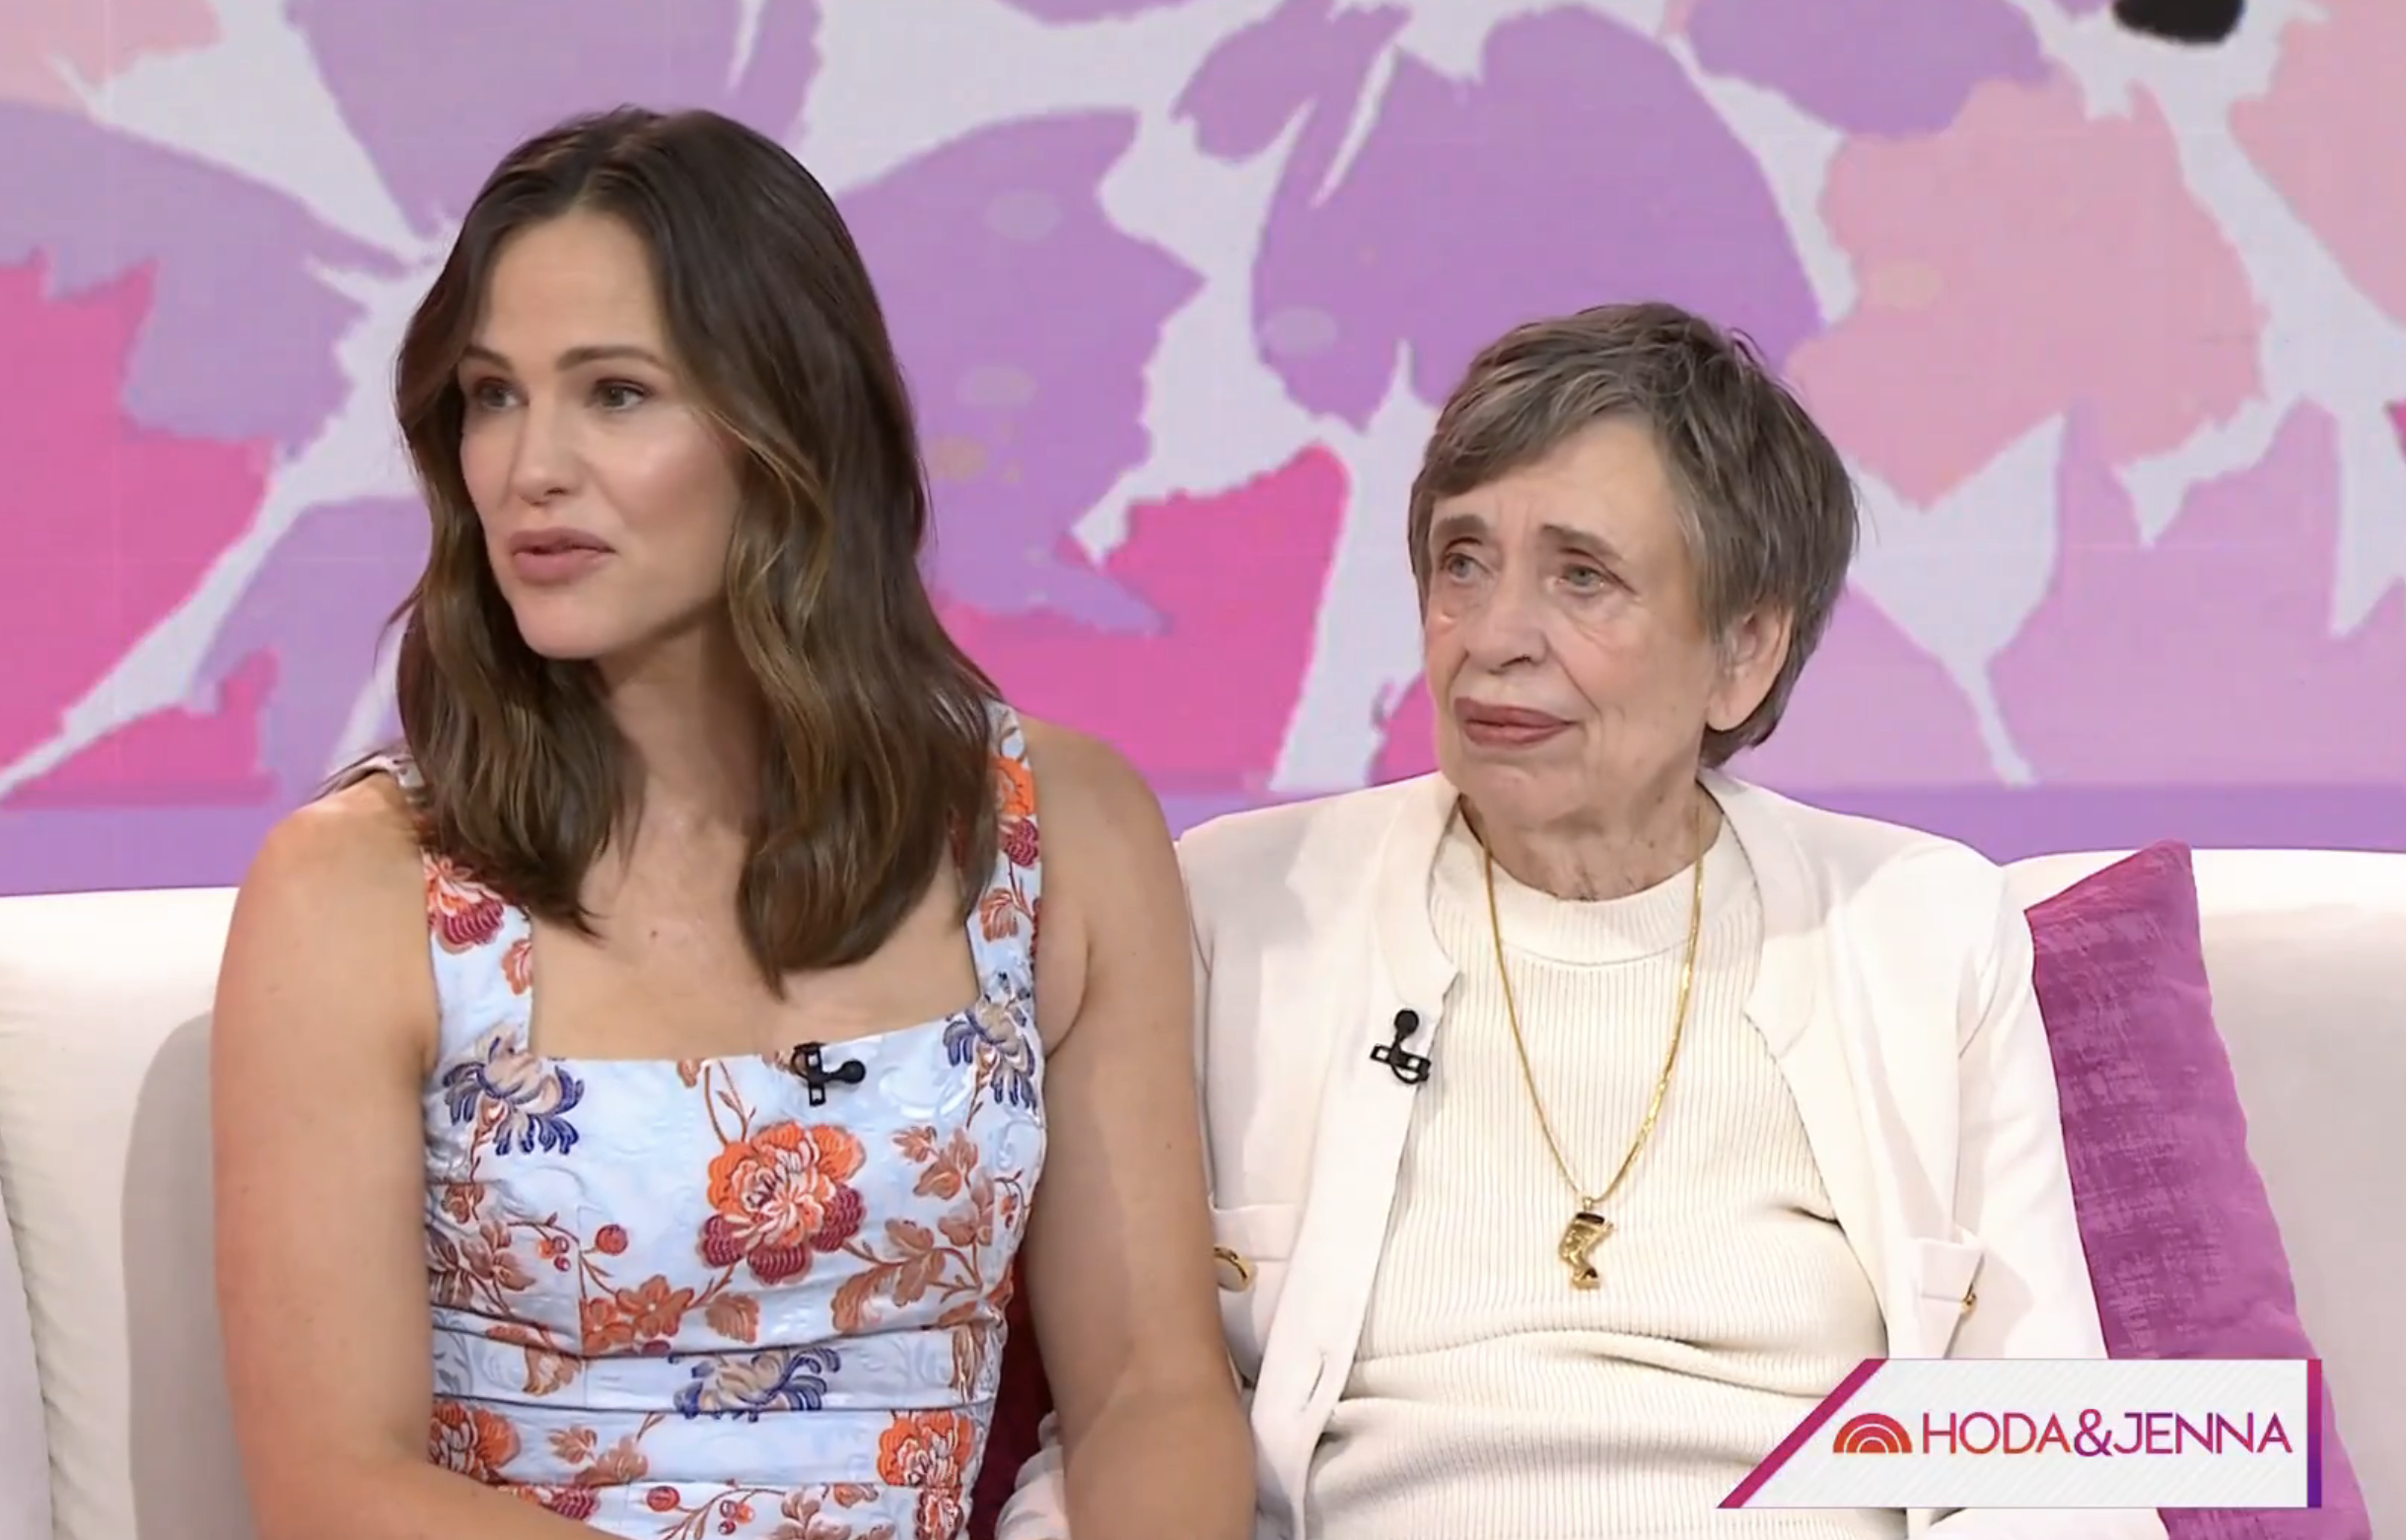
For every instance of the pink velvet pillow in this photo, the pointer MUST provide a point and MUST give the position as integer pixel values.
(2183, 1248)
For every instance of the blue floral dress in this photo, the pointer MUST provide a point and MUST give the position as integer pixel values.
(678, 1298)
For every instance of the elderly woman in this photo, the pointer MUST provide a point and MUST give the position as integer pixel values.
(1580, 1115)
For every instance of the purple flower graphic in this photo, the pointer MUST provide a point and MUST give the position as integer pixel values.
(1869, 66)
(1467, 206)
(1068, 12)
(437, 90)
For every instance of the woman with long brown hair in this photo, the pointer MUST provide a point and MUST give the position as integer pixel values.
(634, 1094)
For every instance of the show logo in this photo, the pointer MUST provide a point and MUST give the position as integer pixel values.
(2042, 1432)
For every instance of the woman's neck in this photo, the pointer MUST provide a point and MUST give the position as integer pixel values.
(687, 712)
(1605, 853)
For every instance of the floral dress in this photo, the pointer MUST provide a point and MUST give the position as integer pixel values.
(676, 1298)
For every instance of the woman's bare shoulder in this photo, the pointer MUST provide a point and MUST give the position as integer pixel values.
(357, 842)
(1088, 793)
(1112, 885)
(334, 901)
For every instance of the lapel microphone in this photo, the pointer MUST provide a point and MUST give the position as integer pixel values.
(1412, 1069)
(805, 1062)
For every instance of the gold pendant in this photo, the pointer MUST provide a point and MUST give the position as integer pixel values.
(1587, 1230)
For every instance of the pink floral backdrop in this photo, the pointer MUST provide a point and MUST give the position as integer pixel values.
(2112, 331)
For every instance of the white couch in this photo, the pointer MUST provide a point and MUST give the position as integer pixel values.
(122, 1434)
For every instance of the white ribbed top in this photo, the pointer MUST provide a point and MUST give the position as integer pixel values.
(1490, 1400)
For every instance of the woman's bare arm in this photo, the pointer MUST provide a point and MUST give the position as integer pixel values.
(1119, 1249)
(318, 1051)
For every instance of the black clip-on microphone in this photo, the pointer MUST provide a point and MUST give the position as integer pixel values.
(804, 1061)
(1406, 1065)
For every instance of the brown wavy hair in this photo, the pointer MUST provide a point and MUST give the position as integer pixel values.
(877, 748)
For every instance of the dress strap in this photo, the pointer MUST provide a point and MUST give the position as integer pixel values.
(1003, 926)
(480, 946)
(393, 762)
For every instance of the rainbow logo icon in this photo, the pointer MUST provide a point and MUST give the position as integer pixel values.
(1872, 1433)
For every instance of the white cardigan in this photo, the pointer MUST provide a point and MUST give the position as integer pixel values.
(1894, 989)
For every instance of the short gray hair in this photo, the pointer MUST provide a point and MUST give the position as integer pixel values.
(1765, 501)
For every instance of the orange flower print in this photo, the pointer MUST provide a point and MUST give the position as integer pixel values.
(467, 1266)
(577, 1503)
(458, 1202)
(462, 915)
(471, 1440)
(517, 965)
(622, 1464)
(1018, 787)
(1019, 843)
(1018, 823)
(780, 1195)
(805, 1518)
(931, 1451)
(646, 1318)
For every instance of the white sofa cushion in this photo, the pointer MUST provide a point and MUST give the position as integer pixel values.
(104, 1158)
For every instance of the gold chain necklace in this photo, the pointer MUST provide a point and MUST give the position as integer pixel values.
(1589, 1228)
